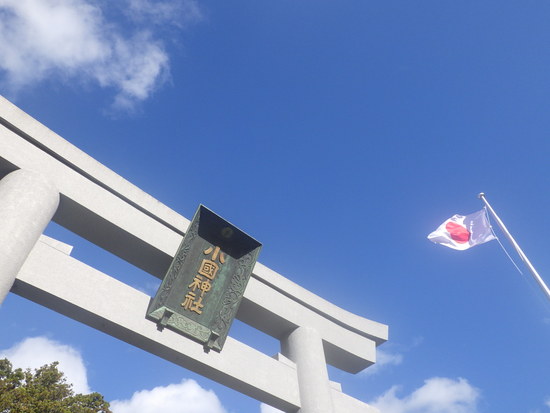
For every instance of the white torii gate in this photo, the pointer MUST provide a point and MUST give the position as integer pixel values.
(44, 177)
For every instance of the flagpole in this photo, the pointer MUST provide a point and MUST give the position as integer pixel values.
(534, 272)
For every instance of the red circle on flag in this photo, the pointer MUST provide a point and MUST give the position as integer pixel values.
(457, 232)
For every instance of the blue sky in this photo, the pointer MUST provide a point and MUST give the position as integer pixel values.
(322, 129)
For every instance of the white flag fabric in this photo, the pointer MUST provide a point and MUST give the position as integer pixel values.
(461, 232)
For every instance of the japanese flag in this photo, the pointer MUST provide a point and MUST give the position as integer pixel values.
(462, 232)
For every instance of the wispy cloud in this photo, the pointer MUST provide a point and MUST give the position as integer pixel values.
(35, 352)
(184, 397)
(384, 359)
(177, 13)
(437, 395)
(264, 408)
(71, 40)
(149, 288)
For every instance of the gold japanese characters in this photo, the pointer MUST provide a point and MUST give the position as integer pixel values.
(202, 283)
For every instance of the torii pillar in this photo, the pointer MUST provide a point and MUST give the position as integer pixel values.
(304, 347)
(27, 204)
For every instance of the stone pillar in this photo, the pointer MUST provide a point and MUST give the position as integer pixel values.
(27, 204)
(304, 347)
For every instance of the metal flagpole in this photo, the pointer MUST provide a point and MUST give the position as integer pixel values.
(534, 272)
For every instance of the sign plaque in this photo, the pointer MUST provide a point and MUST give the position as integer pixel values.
(201, 292)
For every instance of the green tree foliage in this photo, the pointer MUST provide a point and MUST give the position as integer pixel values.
(44, 391)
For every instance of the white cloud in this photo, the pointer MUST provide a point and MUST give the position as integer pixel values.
(72, 40)
(185, 397)
(548, 402)
(138, 67)
(437, 395)
(35, 352)
(264, 408)
(39, 35)
(383, 359)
